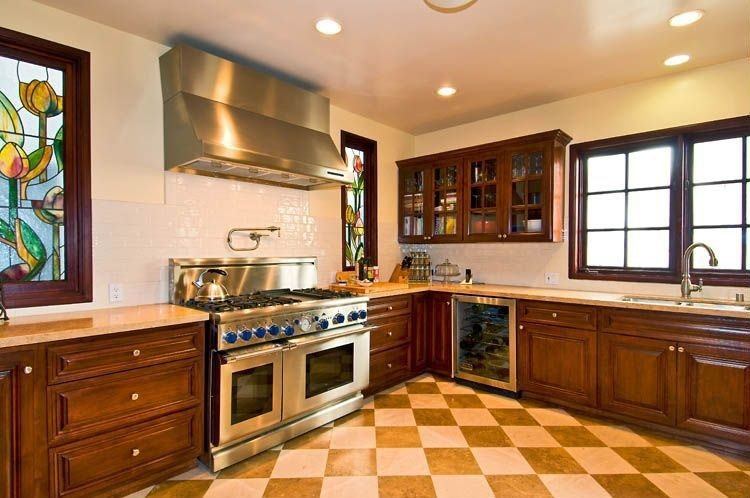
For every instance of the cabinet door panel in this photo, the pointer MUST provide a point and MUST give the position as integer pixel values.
(418, 350)
(558, 362)
(413, 200)
(444, 211)
(637, 377)
(440, 341)
(714, 391)
(482, 189)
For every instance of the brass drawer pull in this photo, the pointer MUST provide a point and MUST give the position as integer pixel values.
(136, 452)
(671, 348)
(390, 308)
(136, 352)
(554, 315)
(681, 349)
(390, 334)
(389, 365)
(134, 396)
(520, 327)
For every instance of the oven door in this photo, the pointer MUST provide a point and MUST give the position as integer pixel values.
(324, 367)
(249, 392)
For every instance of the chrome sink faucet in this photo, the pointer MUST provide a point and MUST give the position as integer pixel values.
(687, 287)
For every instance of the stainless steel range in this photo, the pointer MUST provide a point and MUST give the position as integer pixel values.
(286, 357)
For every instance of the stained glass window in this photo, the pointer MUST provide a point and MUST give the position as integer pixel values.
(31, 172)
(354, 214)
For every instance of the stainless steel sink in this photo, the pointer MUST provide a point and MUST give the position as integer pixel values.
(715, 304)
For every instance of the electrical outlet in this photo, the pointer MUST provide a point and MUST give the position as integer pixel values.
(115, 293)
(552, 278)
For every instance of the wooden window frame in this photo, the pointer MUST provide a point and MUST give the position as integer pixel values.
(75, 64)
(683, 138)
(370, 147)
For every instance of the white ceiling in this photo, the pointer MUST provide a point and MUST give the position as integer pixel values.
(502, 55)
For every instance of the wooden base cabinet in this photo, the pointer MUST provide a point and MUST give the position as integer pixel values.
(440, 337)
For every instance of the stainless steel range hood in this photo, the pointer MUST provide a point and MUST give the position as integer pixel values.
(226, 120)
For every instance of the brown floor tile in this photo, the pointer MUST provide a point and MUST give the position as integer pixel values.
(588, 419)
(513, 416)
(517, 486)
(451, 461)
(628, 486)
(551, 461)
(360, 418)
(433, 416)
(732, 484)
(397, 437)
(534, 403)
(657, 438)
(574, 436)
(422, 388)
(360, 462)
(649, 460)
(406, 487)
(260, 465)
(392, 401)
(308, 487)
(485, 437)
(314, 440)
(742, 463)
(463, 401)
(180, 489)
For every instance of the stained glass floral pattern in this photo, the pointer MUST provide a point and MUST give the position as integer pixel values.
(354, 215)
(31, 172)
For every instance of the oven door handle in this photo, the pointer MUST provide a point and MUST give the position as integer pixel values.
(266, 349)
(317, 338)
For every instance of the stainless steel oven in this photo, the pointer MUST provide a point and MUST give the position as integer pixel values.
(321, 368)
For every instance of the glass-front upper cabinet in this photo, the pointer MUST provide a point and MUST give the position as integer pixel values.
(445, 193)
(412, 189)
(483, 187)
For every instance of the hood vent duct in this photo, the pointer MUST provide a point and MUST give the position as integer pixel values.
(226, 120)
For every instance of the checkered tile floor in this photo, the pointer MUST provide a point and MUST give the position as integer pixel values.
(434, 438)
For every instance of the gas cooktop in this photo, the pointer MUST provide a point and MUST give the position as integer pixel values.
(262, 299)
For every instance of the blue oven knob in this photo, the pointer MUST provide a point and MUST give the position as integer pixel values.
(230, 337)
(323, 322)
(362, 314)
(338, 318)
(260, 332)
(246, 334)
(288, 330)
(274, 329)
(353, 315)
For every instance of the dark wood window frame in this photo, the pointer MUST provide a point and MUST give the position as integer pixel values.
(370, 147)
(682, 139)
(75, 64)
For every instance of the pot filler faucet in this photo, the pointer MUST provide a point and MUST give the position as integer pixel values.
(687, 287)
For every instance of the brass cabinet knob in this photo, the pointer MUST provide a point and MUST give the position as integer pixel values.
(136, 352)
(505, 235)
(520, 327)
(389, 365)
(390, 308)
(27, 370)
(136, 452)
(134, 396)
(681, 349)
(554, 315)
(389, 333)
(671, 348)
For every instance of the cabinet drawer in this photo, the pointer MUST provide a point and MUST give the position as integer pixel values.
(389, 333)
(390, 364)
(389, 306)
(559, 314)
(126, 351)
(84, 407)
(97, 466)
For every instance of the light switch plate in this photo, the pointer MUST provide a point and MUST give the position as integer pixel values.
(552, 278)
(115, 293)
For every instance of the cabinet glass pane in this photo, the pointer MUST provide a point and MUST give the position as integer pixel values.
(648, 248)
(650, 168)
(450, 224)
(418, 222)
(605, 211)
(726, 242)
(477, 175)
(717, 204)
(717, 160)
(490, 222)
(534, 195)
(476, 222)
(518, 221)
(451, 200)
(519, 193)
(439, 225)
(451, 176)
(490, 196)
(476, 197)
(605, 248)
(437, 201)
(518, 166)
(536, 163)
(490, 170)
(605, 173)
(648, 209)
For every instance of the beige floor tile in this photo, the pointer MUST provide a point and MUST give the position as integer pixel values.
(353, 437)
(199, 472)
(552, 416)
(405, 487)
(573, 486)
(402, 462)
(530, 436)
(451, 461)
(427, 400)
(697, 459)
(617, 435)
(629, 486)
(498, 401)
(300, 463)
(518, 486)
(473, 416)
(142, 493)
(684, 485)
(394, 417)
(369, 403)
(260, 465)
(462, 486)
(732, 484)
(360, 462)
(501, 461)
(397, 389)
(453, 388)
(601, 461)
(246, 488)
(180, 489)
(360, 418)
(442, 436)
(294, 488)
(397, 437)
(343, 487)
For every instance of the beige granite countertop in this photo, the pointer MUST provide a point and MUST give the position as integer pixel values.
(61, 326)
(561, 296)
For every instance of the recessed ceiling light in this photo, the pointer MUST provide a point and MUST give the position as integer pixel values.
(449, 6)
(328, 26)
(685, 18)
(446, 91)
(676, 60)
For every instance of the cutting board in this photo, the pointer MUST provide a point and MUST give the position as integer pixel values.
(371, 289)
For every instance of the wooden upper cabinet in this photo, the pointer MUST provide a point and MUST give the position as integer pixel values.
(509, 191)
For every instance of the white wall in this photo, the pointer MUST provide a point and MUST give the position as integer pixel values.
(704, 94)
(142, 216)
